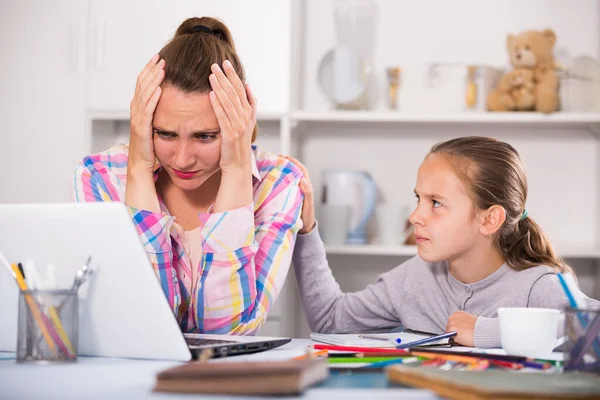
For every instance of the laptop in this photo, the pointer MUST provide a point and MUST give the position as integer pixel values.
(123, 311)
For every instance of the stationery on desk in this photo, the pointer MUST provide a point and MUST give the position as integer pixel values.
(587, 342)
(41, 308)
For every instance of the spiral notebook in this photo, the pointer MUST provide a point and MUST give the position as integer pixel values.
(384, 340)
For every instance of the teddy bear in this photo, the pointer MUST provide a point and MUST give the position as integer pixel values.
(532, 51)
(515, 91)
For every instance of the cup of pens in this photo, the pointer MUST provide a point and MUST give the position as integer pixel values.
(48, 318)
(582, 349)
(48, 326)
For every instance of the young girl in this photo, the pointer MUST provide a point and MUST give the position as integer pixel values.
(478, 249)
(218, 217)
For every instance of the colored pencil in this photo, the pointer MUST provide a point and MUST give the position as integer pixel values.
(358, 360)
(455, 358)
(310, 353)
(34, 309)
(359, 349)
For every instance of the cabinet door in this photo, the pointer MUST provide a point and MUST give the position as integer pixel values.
(42, 97)
(125, 34)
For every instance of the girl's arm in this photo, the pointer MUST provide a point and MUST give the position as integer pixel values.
(328, 309)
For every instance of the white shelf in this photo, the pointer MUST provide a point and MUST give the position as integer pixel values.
(373, 250)
(123, 115)
(410, 251)
(532, 119)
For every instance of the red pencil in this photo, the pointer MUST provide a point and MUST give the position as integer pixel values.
(506, 364)
(360, 349)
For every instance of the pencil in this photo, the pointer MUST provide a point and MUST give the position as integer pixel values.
(507, 364)
(359, 360)
(460, 359)
(34, 309)
(312, 354)
(359, 349)
(32, 278)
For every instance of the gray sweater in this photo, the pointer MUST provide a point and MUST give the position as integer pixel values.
(417, 295)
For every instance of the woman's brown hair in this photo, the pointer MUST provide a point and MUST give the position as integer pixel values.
(199, 43)
(493, 172)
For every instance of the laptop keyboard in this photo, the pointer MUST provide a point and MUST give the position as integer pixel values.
(206, 342)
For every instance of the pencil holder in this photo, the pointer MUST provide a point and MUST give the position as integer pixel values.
(582, 347)
(48, 326)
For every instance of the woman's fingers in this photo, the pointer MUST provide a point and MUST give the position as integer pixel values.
(222, 117)
(151, 82)
(147, 68)
(302, 168)
(151, 106)
(237, 85)
(251, 100)
(226, 94)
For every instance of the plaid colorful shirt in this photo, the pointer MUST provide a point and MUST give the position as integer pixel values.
(246, 252)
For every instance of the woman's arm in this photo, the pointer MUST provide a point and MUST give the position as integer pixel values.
(95, 179)
(247, 254)
(140, 191)
(327, 309)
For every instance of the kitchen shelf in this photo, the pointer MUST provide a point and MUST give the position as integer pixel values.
(410, 251)
(521, 119)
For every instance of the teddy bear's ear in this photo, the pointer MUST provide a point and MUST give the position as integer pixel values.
(509, 41)
(550, 36)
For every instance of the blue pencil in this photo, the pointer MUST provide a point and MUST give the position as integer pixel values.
(583, 320)
(381, 364)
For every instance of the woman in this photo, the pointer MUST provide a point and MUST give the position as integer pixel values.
(217, 216)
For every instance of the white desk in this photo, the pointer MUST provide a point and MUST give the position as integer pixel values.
(107, 378)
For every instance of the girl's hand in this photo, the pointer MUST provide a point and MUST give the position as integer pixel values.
(308, 206)
(146, 96)
(464, 324)
(235, 108)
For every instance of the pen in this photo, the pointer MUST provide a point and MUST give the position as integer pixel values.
(427, 340)
(384, 338)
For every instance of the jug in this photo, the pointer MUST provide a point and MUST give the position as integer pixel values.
(355, 189)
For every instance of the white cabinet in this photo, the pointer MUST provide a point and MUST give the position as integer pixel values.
(125, 35)
(41, 101)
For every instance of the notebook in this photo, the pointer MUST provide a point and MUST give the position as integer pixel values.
(497, 385)
(389, 339)
(243, 378)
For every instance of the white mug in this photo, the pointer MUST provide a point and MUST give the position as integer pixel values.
(529, 332)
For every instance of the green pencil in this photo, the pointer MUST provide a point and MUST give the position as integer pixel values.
(333, 360)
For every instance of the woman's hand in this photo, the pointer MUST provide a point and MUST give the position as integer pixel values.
(145, 99)
(140, 191)
(235, 108)
(308, 206)
(464, 324)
